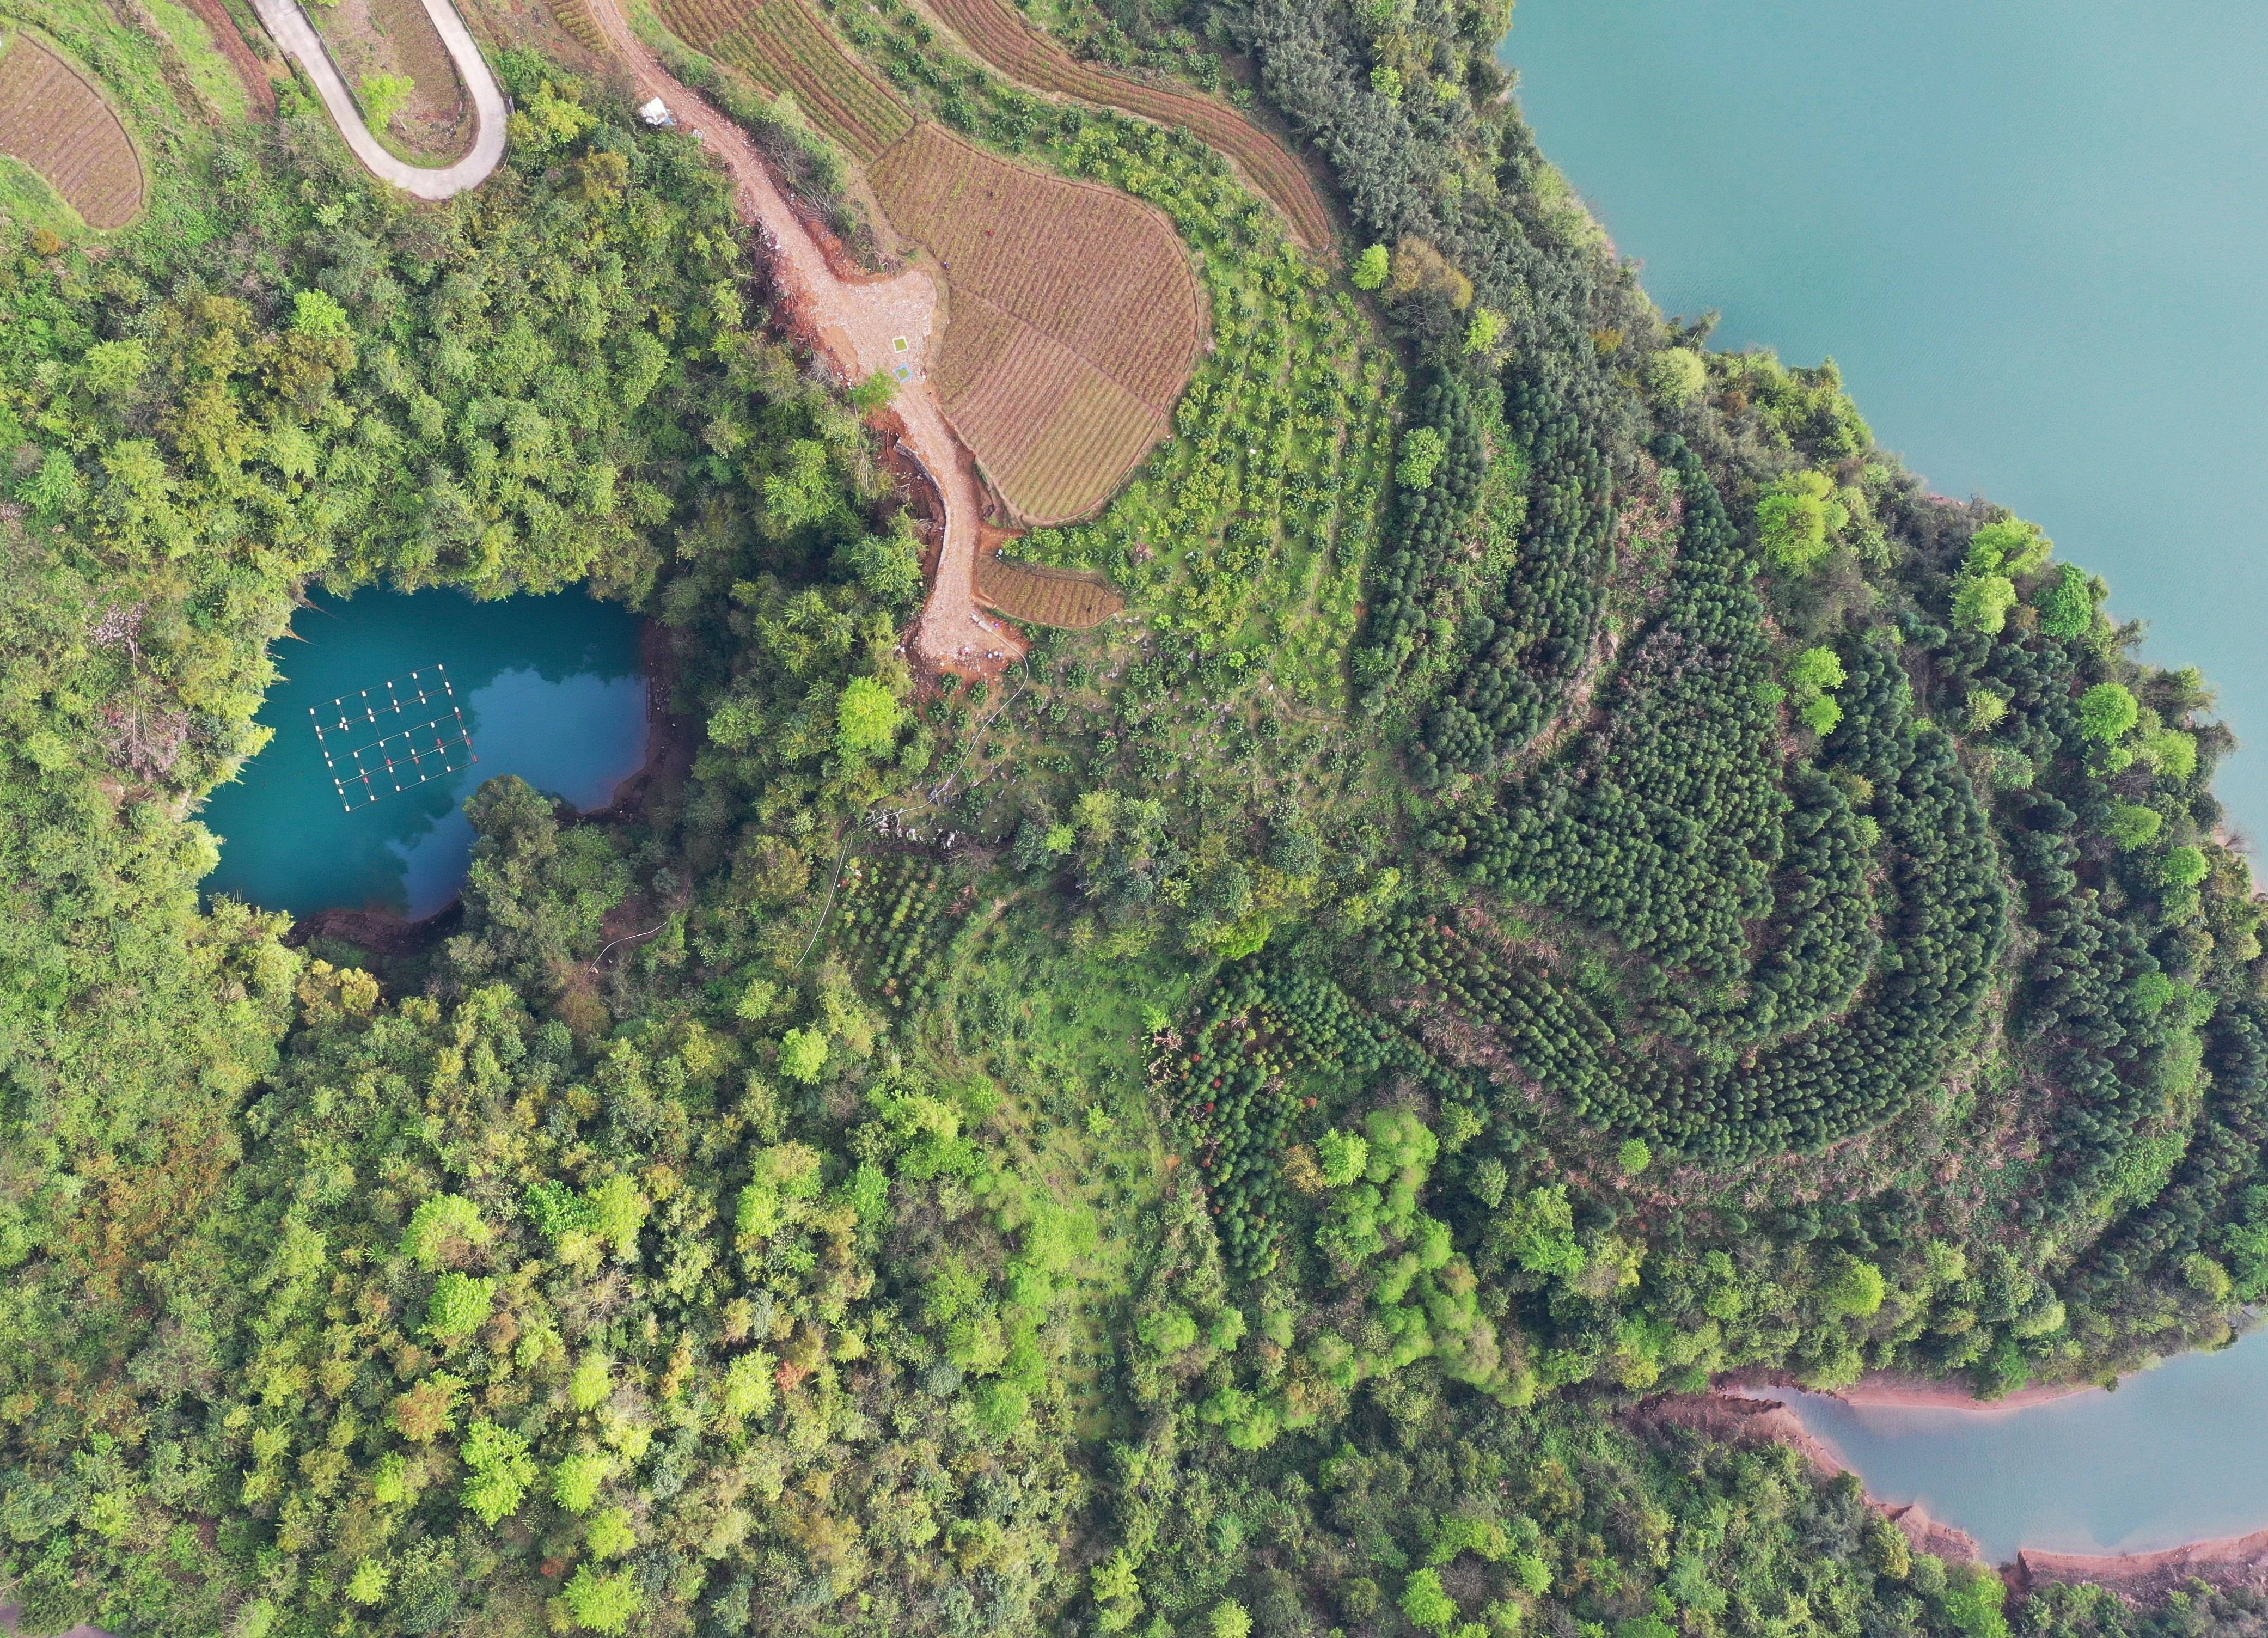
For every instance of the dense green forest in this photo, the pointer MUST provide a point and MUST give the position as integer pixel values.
(1582, 876)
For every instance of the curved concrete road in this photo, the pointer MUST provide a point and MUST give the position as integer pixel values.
(296, 35)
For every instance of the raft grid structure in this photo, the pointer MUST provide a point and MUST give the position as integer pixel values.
(406, 753)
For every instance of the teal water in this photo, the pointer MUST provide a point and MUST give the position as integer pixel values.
(2175, 1455)
(2034, 235)
(551, 689)
(2033, 232)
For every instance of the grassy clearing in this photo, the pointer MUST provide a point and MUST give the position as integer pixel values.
(54, 118)
(217, 83)
(1059, 1029)
(26, 199)
(376, 40)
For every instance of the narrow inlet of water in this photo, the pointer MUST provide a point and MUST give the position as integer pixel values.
(2179, 1453)
(420, 698)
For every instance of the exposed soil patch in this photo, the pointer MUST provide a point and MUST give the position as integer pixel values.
(1896, 1389)
(2231, 1562)
(251, 69)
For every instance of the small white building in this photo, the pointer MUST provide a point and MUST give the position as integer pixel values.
(657, 113)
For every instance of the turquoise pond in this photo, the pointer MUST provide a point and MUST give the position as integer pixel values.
(552, 689)
(2033, 233)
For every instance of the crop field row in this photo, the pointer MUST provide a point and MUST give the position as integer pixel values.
(1049, 427)
(996, 33)
(787, 48)
(54, 120)
(1054, 432)
(576, 18)
(1086, 266)
(1043, 596)
(1075, 314)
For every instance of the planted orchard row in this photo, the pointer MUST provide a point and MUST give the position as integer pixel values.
(1226, 1093)
(1227, 1088)
(1555, 1034)
(893, 917)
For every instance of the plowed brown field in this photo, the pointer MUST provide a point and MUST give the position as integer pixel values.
(1043, 596)
(786, 48)
(1055, 433)
(1076, 318)
(54, 120)
(1004, 40)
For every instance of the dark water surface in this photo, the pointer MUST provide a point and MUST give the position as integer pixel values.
(2179, 1453)
(551, 689)
(2033, 232)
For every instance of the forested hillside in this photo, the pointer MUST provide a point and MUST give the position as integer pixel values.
(1578, 875)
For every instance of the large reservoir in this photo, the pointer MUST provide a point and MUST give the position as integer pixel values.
(2032, 232)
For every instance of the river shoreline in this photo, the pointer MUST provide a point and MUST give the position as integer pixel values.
(1741, 1409)
(1739, 1416)
(1898, 1390)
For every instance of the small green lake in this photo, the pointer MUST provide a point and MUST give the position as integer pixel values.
(2175, 1456)
(420, 698)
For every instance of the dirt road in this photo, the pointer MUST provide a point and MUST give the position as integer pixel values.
(859, 325)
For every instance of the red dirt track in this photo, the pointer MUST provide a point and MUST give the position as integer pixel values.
(854, 323)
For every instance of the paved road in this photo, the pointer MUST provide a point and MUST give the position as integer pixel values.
(859, 325)
(296, 35)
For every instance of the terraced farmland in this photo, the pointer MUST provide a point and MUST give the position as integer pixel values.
(1074, 314)
(54, 120)
(1076, 318)
(995, 33)
(786, 48)
(1044, 596)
